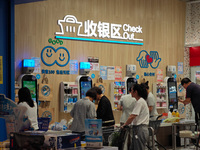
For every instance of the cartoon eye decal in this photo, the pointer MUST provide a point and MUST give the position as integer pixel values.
(62, 57)
(49, 52)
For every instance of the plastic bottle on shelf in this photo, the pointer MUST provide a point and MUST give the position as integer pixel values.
(169, 114)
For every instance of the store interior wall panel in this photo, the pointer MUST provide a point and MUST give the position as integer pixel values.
(162, 23)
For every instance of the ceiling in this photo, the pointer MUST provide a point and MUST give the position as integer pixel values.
(31, 1)
(26, 1)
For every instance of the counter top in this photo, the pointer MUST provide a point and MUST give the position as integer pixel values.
(182, 122)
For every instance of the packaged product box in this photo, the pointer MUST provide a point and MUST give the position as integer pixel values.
(61, 141)
(26, 140)
(93, 133)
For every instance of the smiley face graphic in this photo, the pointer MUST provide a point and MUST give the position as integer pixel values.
(51, 56)
(62, 56)
(49, 53)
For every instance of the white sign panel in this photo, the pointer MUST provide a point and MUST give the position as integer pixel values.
(99, 29)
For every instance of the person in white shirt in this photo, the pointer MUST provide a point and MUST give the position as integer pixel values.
(139, 118)
(26, 101)
(151, 102)
(126, 104)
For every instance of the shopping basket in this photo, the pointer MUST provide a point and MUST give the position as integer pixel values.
(120, 138)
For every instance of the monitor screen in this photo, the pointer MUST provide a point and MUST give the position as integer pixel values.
(117, 83)
(84, 65)
(85, 86)
(130, 84)
(172, 90)
(31, 85)
(28, 63)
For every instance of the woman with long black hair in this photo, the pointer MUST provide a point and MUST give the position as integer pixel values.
(139, 118)
(26, 101)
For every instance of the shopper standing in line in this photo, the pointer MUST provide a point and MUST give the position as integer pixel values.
(126, 104)
(151, 102)
(139, 118)
(105, 112)
(83, 109)
(192, 96)
(25, 100)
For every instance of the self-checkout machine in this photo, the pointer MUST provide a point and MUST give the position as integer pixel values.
(171, 88)
(70, 92)
(83, 81)
(129, 79)
(27, 79)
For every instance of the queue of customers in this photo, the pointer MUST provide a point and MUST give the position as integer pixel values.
(134, 106)
(137, 107)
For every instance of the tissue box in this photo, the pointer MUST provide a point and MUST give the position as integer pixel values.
(60, 141)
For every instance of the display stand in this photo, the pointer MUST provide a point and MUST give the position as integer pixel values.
(160, 92)
(68, 96)
(117, 90)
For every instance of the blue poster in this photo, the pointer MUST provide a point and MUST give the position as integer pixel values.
(73, 66)
(180, 67)
(103, 72)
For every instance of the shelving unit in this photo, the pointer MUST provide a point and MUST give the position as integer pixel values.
(117, 90)
(160, 92)
(68, 96)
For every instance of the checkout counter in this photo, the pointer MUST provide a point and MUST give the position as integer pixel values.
(170, 132)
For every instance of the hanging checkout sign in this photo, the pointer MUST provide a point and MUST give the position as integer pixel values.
(104, 30)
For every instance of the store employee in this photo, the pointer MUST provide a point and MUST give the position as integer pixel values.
(139, 118)
(151, 102)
